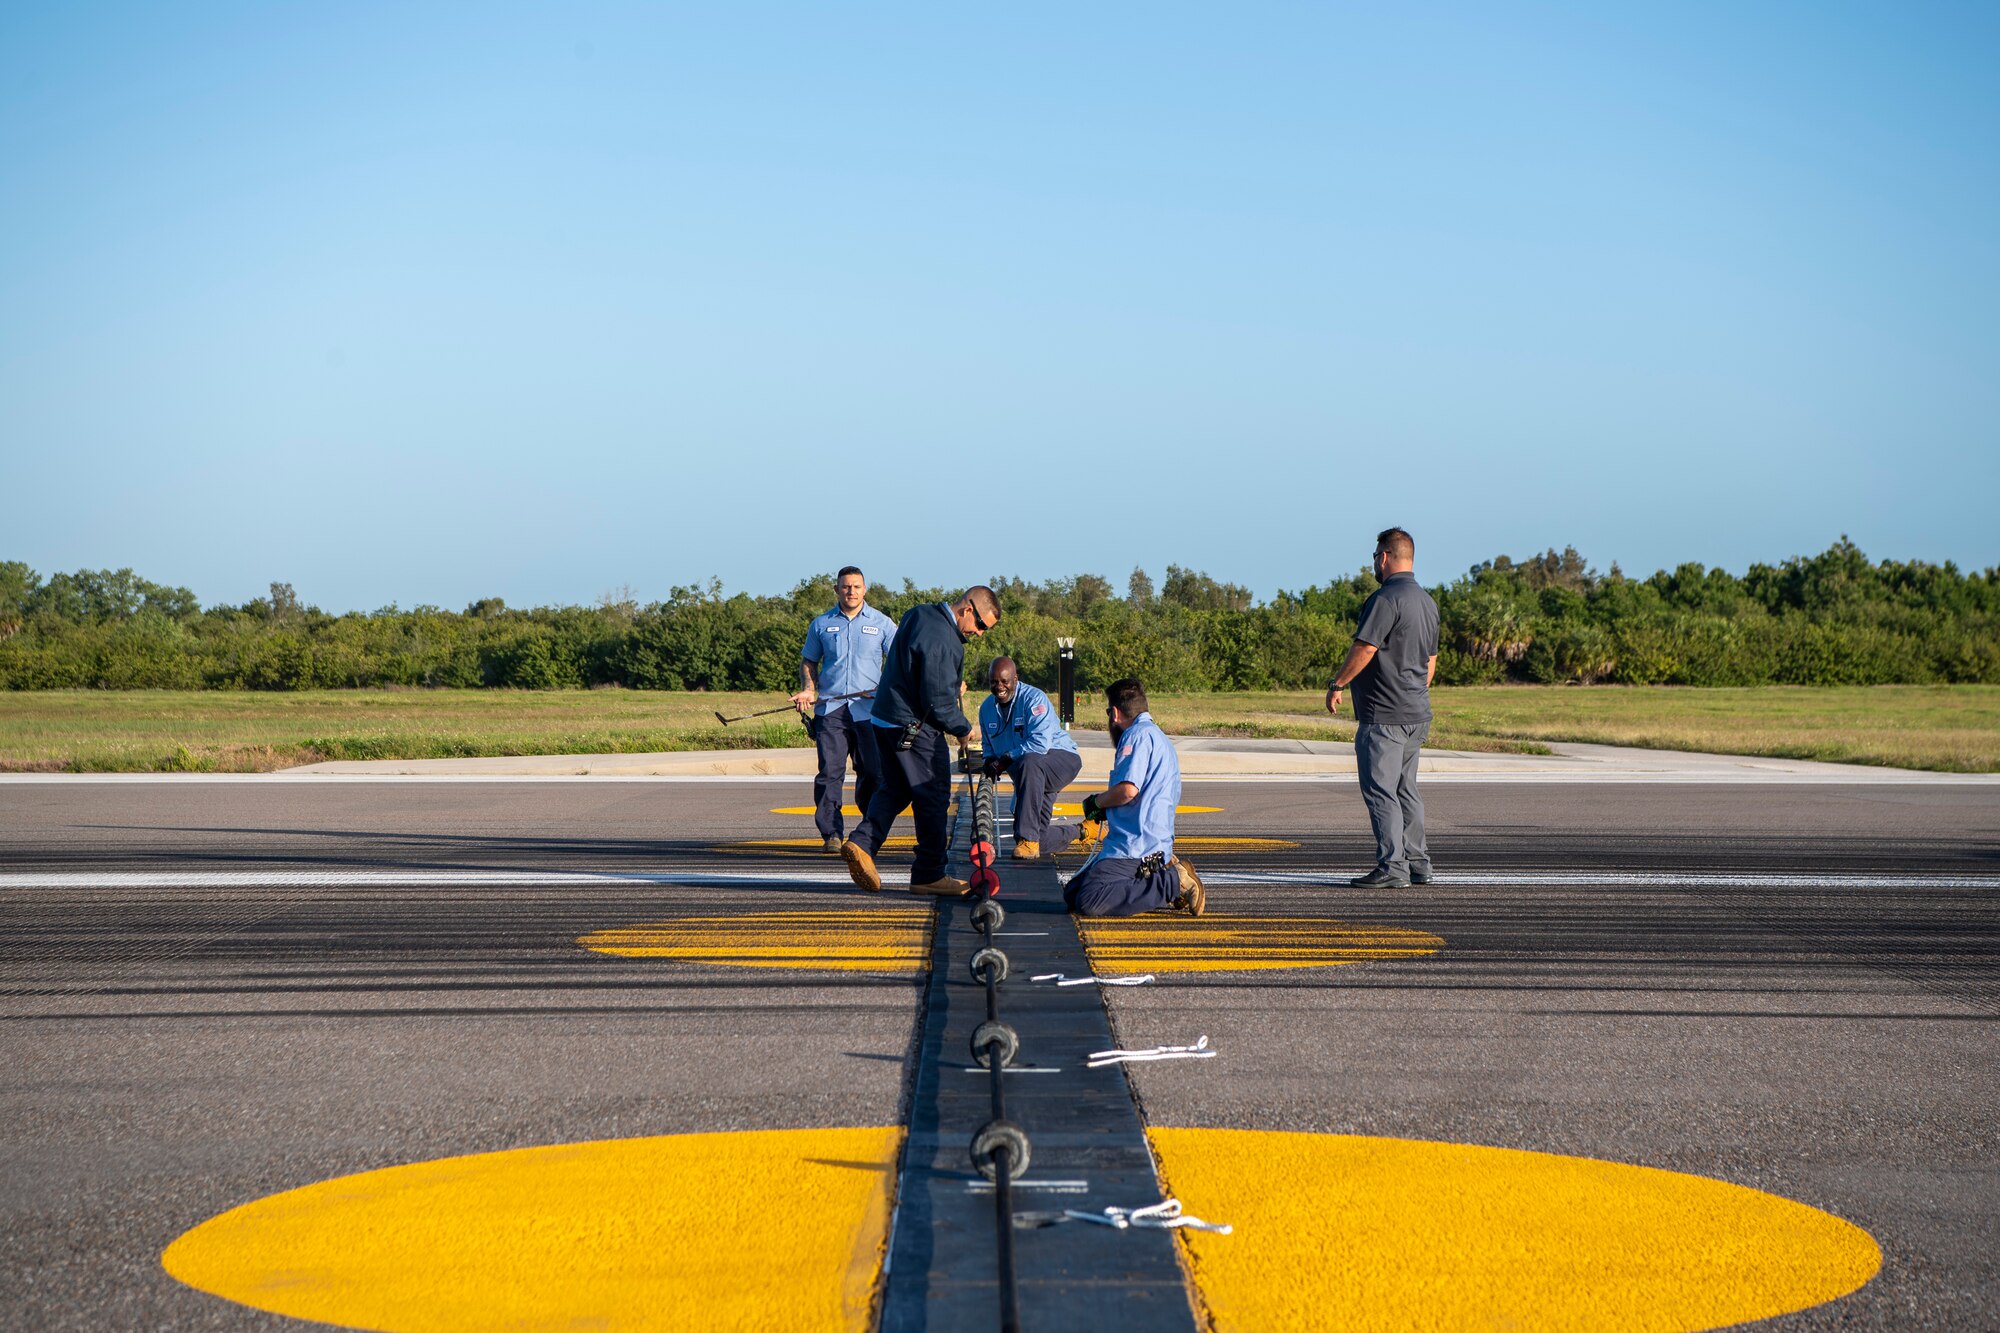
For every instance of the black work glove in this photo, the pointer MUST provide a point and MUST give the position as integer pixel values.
(1091, 809)
(995, 766)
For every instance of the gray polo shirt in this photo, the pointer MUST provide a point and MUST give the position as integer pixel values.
(1401, 621)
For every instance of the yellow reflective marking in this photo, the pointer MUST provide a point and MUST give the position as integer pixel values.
(769, 1229)
(853, 812)
(858, 941)
(1122, 946)
(1386, 1235)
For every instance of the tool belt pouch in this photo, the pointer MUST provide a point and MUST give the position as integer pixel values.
(1152, 865)
(906, 739)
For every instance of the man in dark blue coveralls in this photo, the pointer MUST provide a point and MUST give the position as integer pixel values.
(1135, 869)
(842, 658)
(1390, 667)
(916, 707)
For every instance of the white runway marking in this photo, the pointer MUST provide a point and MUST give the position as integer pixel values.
(1636, 879)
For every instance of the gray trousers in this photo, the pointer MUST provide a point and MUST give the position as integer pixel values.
(1037, 780)
(1386, 755)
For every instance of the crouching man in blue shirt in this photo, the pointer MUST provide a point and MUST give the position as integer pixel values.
(1024, 739)
(1135, 869)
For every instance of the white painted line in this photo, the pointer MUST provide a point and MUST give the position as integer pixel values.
(1639, 879)
(1012, 1069)
(1044, 1186)
(257, 879)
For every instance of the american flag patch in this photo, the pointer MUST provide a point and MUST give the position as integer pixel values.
(1039, 709)
(1126, 753)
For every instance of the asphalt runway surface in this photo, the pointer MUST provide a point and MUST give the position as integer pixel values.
(1790, 987)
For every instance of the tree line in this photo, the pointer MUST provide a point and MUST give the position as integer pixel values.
(1835, 618)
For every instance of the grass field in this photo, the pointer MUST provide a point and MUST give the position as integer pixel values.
(1952, 728)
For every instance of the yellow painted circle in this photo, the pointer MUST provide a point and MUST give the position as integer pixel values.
(786, 1229)
(765, 1230)
(1384, 1235)
(872, 940)
(1122, 946)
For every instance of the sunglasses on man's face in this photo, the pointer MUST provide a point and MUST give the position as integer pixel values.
(978, 619)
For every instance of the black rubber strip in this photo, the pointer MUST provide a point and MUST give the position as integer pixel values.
(1088, 1147)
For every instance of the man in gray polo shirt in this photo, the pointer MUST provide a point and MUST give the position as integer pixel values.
(1390, 668)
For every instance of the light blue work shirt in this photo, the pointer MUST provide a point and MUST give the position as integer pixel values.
(849, 652)
(1144, 825)
(1027, 726)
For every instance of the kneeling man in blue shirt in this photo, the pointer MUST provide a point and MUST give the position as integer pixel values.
(1135, 869)
(1024, 739)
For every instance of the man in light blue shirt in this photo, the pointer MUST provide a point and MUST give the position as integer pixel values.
(1023, 738)
(1135, 869)
(843, 655)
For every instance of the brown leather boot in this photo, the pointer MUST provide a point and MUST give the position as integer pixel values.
(944, 886)
(1194, 898)
(861, 867)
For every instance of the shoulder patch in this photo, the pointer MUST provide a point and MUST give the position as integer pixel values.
(1126, 753)
(1039, 709)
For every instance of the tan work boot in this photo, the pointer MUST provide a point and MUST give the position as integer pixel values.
(1089, 834)
(1027, 851)
(1194, 898)
(944, 886)
(861, 867)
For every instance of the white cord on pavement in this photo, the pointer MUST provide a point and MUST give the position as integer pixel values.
(1167, 1216)
(1062, 980)
(1198, 1051)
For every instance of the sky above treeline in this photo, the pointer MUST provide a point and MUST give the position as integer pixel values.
(427, 303)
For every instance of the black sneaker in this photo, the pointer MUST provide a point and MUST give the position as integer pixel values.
(1379, 879)
(1422, 876)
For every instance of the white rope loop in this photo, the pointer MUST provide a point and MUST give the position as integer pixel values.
(1166, 1216)
(1199, 1051)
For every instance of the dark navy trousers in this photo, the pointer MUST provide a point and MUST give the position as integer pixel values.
(916, 779)
(841, 734)
(1110, 886)
(1037, 780)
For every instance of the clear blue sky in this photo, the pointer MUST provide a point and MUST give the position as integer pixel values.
(428, 303)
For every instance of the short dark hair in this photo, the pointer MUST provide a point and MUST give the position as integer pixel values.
(1128, 696)
(845, 570)
(1397, 543)
(982, 597)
